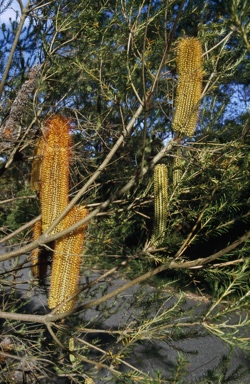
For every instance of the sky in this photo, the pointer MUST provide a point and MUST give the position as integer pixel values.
(10, 12)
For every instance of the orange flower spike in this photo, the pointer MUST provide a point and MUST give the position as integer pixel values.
(54, 188)
(67, 261)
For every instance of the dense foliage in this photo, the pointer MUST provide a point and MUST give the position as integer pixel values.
(109, 66)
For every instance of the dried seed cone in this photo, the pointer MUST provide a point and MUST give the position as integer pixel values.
(6, 345)
(66, 262)
(36, 166)
(54, 188)
(189, 87)
(160, 201)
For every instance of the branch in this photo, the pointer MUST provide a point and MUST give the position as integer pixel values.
(200, 262)
(21, 229)
(49, 318)
(168, 265)
(17, 198)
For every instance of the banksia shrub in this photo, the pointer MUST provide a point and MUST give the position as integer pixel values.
(189, 87)
(54, 189)
(66, 262)
(160, 201)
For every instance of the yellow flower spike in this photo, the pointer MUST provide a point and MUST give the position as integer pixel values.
(66, 262)
(54, 189)
(160, 201)
(177, 167)
(189, 87)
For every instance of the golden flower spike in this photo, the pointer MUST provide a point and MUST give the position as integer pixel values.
(67, 261)
(160, 201)
(189, 86)
(54, 189)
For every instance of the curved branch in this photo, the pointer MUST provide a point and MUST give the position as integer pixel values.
(49, 318)
(21, 229)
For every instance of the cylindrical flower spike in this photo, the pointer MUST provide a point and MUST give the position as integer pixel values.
(177, 168)
(54, 188)
(160, 201)
(66, 262)
(36, 166)
(189, 86)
